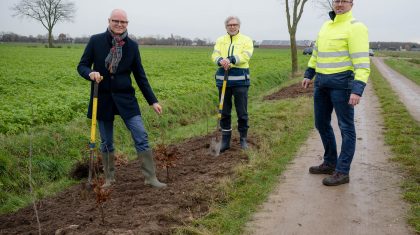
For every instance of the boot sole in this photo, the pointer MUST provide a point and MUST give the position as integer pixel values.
(224, 150)
(336, 183)
(321, 172)
(162, 185)
(155, 186)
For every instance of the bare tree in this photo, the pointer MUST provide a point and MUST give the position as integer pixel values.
(47, 12)
(292, 22)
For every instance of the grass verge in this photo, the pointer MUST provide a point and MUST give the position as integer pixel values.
(402, 134)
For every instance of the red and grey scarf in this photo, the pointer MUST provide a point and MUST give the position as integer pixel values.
(115, 54)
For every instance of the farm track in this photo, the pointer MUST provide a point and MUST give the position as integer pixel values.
(407, 90)
(370, 204)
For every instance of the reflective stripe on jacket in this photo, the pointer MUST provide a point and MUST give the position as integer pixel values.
(238, 49)
(342, 45)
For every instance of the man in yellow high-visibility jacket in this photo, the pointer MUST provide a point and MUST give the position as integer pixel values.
(232, 52)
(340, 61)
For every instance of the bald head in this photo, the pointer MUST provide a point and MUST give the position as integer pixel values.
(118, 21)
(118, 12)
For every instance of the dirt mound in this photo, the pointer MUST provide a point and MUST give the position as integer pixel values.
(292, 91)
(135, 208)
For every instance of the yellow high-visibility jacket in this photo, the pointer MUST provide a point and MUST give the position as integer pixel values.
(342, 48)
(238, 49)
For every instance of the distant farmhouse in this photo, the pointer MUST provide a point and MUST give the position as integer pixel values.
(284, 43)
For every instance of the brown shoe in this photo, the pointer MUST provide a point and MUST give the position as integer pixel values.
(336, 179)
(324, 168)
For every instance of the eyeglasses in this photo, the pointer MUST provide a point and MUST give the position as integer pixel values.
(232, 25)
(123, 22)
(342, 1)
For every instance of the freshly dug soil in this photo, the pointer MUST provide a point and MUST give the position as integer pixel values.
(134, 208)
(292, 91)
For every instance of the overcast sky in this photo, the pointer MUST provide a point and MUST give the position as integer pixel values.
(387, 20)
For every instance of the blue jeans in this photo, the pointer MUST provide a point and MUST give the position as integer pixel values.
(325, 100)
(133, 124)
(240, 95)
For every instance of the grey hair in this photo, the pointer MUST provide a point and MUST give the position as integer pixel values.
(232, 18)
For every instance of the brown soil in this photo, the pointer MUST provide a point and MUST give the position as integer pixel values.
(292, 91)
(134, 208)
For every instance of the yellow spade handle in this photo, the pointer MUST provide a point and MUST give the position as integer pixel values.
(94, 112)
(222, 96)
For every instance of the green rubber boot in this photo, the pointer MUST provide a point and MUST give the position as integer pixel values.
(226, 135)
(242, 139)
(148, 169)
(108, 161)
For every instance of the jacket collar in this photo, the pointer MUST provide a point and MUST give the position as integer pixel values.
(343, 17)
(235, 36)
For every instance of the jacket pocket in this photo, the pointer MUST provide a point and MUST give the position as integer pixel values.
(337, 42)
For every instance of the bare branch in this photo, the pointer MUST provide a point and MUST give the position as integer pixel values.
(289, 26)
(301, 10)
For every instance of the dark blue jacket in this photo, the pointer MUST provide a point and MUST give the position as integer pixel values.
(116, 94)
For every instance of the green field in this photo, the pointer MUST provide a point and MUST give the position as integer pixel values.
(43, 102)
(41, 86)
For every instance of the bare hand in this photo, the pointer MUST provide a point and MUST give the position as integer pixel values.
(95, 76)
(354, 99)
(157, 108)
(306, 82)
(225, 63)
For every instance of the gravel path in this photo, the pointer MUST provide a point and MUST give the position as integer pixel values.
(370, 204)
(408, 91)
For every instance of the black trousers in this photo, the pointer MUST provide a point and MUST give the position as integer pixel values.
(240, 97)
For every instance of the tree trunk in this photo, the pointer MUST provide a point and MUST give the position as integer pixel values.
(50, 39)
(293, 50)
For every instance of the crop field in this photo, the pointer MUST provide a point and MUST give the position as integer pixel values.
(43, 102)
(40, 86)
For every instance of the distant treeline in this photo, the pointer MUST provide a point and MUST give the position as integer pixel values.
(66, 38)
(174, 41)
(395, 46)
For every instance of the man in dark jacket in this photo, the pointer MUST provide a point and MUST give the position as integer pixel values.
(114, 57)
